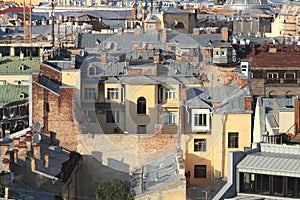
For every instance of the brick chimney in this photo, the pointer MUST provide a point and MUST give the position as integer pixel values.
(15, 155)
(224, 32)
(22, 154)
(164, 35)
(5, 165)
(134, 13)
(32, 162)
(37, 151)
(7, 155)
(248, 103)
(4, 149)
(46, 159)
(16, 141)
(104, 57)
(28, 143)
(73, 61)
(297, 115)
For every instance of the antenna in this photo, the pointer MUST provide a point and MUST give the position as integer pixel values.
(37, 127)
(52, 25)
(36, 138)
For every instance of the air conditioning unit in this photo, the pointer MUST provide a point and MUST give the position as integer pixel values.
(157, 126)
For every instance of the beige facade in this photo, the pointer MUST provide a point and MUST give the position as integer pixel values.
(213, 158)
(286, 24)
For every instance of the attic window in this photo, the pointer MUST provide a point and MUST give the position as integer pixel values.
(92, 71)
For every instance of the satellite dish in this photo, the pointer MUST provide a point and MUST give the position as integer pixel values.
(36, 138)
(37, 127)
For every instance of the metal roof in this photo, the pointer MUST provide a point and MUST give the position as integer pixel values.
(11, 93)
(11, 65)
(271, 163)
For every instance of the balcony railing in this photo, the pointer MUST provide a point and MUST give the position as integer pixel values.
(273, 80)
(290, 80)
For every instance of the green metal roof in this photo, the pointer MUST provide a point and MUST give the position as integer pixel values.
(11, 93)
(12, 65)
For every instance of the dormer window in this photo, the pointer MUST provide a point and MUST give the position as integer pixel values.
(200, 120)
(91, 71)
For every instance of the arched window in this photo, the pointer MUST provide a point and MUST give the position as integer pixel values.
(92, 71)
(141, 105)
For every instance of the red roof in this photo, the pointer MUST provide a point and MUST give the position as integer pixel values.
(278, 60)
(13, 10)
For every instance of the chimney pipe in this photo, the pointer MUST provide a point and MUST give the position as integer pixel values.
(46, 159)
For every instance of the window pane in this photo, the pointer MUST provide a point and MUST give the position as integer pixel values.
(200, 171)
(278, 185)
(233, 140)
(199, 145)
(266, 184)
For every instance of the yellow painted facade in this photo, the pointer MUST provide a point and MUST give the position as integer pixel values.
(215, 157)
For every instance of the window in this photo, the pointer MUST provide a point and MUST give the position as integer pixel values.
(223, 53)
(290, 77)
(112, 93)
(171, 118)
(233, 140)
(272, 75)
(89, 93)
(170, 93)
(112, 117)
(92, 71)
(141, 105)
(141, 129)
(200, 171)
(200, 120)
(199, 145)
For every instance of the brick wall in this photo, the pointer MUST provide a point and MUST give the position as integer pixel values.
(140, 71)
(51, 73)
(55, 113)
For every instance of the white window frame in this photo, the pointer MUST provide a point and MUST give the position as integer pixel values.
(272, 74)
(90, 93)
(200, 119)
(197, 127)
(113, 93)
(170, 93)
(170, 118)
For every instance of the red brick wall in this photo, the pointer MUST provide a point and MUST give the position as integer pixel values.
(51, 73)
(59, 119)
(147, 71)
(155, 143)
(248, 103)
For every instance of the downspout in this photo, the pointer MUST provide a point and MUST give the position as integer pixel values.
(223, 144)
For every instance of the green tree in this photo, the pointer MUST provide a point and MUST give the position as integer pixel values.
(113, 190)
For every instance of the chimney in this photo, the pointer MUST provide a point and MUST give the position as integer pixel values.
(5, 165)
(37, 151)
(73, 61)
(196, 31)
(224, 32)
(4, 149)
(7, 155)
(297, 115)
(120, 31)
(15, 155)
(22, 154)
(104, 57)
(28, 143)
(134, 13)
(32, 162)
(164, 36)
(248, 103)
(6, 193)
(46, 159)
(253, 50)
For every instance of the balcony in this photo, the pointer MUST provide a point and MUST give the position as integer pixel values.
(290, 80)
(273, 80)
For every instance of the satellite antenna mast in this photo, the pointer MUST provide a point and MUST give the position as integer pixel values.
(24, 20)
(52, 25)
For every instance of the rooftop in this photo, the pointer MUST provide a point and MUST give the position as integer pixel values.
(11, 93)
(15, 66)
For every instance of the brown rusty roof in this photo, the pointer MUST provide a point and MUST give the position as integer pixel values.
(283, 60)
